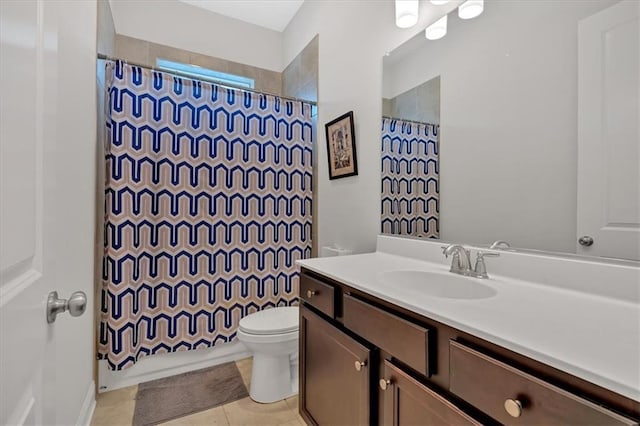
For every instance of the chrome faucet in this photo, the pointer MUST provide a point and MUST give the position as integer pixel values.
(460, 262)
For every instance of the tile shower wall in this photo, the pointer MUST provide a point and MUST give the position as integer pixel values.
(106, 39)
(300, 80)
(422, 103)
(300, 77)
(146, 53)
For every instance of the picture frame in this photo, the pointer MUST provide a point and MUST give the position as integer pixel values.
(341, 147)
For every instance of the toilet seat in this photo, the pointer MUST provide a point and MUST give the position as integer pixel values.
(280, 320)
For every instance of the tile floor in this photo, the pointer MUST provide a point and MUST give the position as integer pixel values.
(115, 408)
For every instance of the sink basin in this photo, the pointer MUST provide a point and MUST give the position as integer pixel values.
(437, 284)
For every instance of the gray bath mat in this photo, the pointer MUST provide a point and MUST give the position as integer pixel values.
(166, 399)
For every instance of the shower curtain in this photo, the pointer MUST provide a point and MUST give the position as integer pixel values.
(208, 206)
(410, 190)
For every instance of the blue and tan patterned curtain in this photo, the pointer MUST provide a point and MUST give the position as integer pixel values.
(410, 192)
(208, 205)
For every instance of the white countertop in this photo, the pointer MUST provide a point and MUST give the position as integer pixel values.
(590, 336)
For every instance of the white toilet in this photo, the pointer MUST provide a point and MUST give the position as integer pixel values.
(272, 336)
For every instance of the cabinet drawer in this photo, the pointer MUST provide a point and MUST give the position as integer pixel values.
(495, 387)
(409, 402)
(404, 340)
(318, 294)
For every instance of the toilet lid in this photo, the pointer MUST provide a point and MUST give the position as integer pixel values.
(271, 321)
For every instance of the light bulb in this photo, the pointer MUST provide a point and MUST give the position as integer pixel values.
(470, 9)
(406, 13)
(437, 30)
(439, 2)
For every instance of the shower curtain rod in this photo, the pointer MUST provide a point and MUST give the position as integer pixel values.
(409, 121)
(229, 86)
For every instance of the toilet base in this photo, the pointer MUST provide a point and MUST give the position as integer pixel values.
(271, 378)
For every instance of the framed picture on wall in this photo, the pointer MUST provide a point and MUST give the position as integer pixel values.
(341, 147)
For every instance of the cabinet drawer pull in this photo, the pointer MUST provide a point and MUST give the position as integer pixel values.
(384, 384)
(360, 364)
(311, 293)
(513, 407)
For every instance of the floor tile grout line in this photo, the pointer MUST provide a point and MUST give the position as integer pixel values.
(226, 416)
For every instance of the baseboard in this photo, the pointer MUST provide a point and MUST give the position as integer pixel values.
(89, 404)
(164, 365)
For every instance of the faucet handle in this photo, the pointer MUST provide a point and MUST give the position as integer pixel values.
(500, 244)
(480, 269)
(482, 254)
(445, 251)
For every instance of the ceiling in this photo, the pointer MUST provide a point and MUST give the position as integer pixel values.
(272, 14)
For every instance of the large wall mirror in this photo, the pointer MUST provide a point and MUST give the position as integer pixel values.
(519, 125)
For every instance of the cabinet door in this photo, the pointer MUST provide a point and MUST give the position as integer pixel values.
(409, 402)
(334, 374)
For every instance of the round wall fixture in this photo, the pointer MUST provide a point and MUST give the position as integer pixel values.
(406, 13)
(470, 9)
(437, 30)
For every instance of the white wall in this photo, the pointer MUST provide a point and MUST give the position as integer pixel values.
(187, 27)
(508, 122)
(354, 36)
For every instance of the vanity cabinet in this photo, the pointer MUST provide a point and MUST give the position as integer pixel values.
(364, 361)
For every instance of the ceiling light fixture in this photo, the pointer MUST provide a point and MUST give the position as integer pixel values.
(437, 30)
(406, 13)
(439, 2)
(470, 9)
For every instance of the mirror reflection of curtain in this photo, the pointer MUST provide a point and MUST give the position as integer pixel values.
(410, 189)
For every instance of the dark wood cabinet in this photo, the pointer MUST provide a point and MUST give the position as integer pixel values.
(411, 403)
(335, 374)
(353, 344)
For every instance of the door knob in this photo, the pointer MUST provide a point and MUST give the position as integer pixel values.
(311, 293)
(76, 305)
(585, 241)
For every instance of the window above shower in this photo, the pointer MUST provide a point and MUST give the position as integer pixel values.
(202, 73)
(148, 53)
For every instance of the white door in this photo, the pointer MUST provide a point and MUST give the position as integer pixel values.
(47, 157)
(609, 132)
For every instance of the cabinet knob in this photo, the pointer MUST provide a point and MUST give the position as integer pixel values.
(384, 384)
(513, 407)
(360, 364)
(311, 293)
